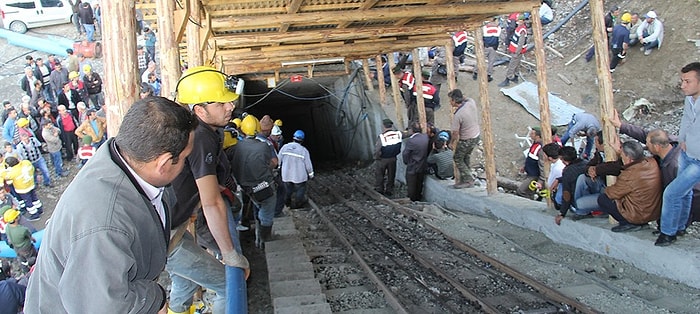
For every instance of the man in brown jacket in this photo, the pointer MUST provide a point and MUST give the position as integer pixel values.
(635, 199)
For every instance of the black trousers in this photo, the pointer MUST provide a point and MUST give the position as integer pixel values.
(414, 185)
(609, 206)
(385, 166)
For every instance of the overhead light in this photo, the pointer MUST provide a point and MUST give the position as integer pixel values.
(313, 61)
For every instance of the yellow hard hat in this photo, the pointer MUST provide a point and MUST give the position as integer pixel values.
(73, 74)
(250, 125)
(22, 122)
(278, 122)
(626, 18)
(237, 122)
(203, 84)
(229, 140)
(87, 68)
(10, 215)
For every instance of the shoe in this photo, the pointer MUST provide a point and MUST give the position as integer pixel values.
(612, 70)
(463, 185)
(34, 217)
(579, 217)
(664, 240)
(647, 52)
(681, 233)
(642, 48)
(626, 228)
(474, 76)
(242, 228)
(514, 79)
(490, 78)
(504, 83)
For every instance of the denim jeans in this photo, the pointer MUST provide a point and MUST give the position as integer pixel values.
(675, 208)
(586, 194)
(265, 210)
(89, 32)
(40, 165)
(296, 194)
(57, 162)
(590, 140)
(650, 45)
(190, 266)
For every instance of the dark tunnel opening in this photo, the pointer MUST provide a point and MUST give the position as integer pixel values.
(338, 117)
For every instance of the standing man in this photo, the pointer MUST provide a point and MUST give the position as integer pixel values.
(414, 157)
(93, 85)
(122, 247)
(252, 164)
(150, 43)
(42, 72)
(678, 194)
(465, 135)
(620, 40)
(387, 147)
(56, 79)
(198, 188)
(516, 49)
(492, 34)
(87, 18)
(295, 162)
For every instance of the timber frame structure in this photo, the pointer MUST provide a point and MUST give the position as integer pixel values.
(251, 36)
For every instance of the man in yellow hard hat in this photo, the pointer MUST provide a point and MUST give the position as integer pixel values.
(20, 239)
(211, 95)
(620, 40)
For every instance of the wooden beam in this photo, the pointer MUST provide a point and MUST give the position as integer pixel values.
(420, 101)
(380, 78)
(367, 4)
(168, 48)
(398, 102)
(336, 17)
(205, 32)
(449, 63)
(180, 19)
(605, 88)
(542, 90)
(297, 37)
(486, 129)
(121, 74)
(368, 79)
(194, 41)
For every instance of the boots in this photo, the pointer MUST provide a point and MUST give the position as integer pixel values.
(266, 233)
(505, 83)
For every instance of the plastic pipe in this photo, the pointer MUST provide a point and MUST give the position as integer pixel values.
(236, 291)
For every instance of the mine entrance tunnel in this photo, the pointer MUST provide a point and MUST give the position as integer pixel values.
(339, 118)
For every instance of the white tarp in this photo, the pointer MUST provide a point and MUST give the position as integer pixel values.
(526, 95)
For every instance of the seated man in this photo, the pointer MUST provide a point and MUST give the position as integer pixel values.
(590, 184)
(441, 158)
(650, 33)
(556, 167)
(635, 198)
(574, 168)
(582, 122)
(534, 165)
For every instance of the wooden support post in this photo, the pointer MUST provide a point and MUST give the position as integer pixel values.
(380, 79)
(368, 78)
(542, 90)
(398, 101)
(420, 102)
(194, 53)
(121, 76)
(486, 129)
(450, 64)
(605, 89)
(168, 48)
(310, 71)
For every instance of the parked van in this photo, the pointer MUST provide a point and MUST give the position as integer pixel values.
(20, 15)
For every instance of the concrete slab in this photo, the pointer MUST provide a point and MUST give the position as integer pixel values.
(287, 276)
(289, 244)
(294, 288)
(306, 309)
(299, 300)
(280, 261)
(677, 261)
(290, 267)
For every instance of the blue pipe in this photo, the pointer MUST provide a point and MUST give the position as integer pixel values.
(34, 43)
(236, 291)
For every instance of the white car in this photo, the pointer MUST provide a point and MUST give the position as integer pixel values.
(21, 15)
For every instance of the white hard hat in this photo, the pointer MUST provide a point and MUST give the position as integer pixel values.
(276, 130)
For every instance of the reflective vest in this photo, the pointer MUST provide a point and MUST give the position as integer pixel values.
(408, 80)
(428, 91)
(459, 38)
(391, 144)
(519, 31)
(492, 33)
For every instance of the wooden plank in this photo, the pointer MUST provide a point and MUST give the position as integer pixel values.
(554, 51)
(564, 78)
(487, 130)
(194, 39)
(380, 78)
(420, 101)
(168, 48)
(368, 79)
(542, 90)
(578, 55)
(398, 102)
(388, 13)
(121, 75)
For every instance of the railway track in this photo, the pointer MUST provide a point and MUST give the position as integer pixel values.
(373, 253)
